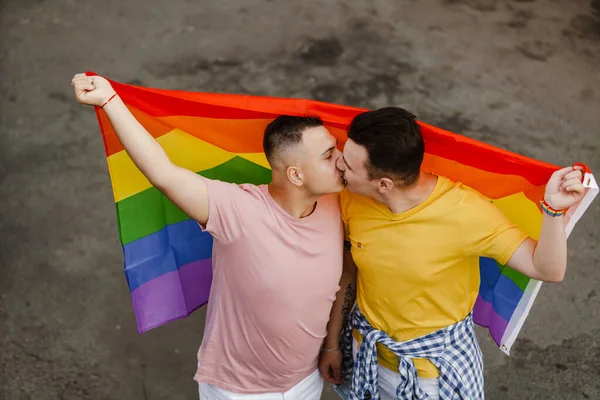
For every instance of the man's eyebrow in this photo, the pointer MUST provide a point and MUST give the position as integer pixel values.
(347, 165)
(328, 150)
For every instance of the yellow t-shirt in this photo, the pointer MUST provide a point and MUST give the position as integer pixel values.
(418, 271)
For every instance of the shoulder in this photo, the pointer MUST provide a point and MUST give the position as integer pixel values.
(458, 193)
(350, 199)
(466, 206)
(233, 192)
(330, 203)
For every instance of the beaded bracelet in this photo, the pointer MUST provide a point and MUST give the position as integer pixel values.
(551, 211)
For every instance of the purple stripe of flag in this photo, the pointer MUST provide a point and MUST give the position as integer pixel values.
(173, 295)
(484, 315)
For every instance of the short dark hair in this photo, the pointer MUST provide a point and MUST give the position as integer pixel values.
(285, 131)
(394, 144)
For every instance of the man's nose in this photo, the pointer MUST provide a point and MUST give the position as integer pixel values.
(340, 163)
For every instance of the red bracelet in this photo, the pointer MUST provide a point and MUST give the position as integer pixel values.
(111, 97)
(549, 210)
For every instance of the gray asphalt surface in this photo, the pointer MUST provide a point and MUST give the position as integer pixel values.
(520, 74)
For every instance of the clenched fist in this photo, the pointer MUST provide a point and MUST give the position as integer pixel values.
(564, 189)
(330, 365)
(92, 90)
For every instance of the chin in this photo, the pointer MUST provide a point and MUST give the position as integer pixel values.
(336, 189)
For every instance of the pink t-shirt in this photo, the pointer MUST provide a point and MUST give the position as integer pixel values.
(274, 281)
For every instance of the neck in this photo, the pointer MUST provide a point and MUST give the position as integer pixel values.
(403, 199)
(293, 200)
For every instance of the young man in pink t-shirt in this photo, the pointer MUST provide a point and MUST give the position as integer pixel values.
(277, 255)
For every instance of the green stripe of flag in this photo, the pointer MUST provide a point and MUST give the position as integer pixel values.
(518, 278)
(150, 211)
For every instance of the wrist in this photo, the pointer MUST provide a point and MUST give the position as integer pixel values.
(331, 344)
(548, 209)
(108, 99)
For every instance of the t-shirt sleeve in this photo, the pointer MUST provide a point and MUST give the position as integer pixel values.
(487, 232)
(228, 208)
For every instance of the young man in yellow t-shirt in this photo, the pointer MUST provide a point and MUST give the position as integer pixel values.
(413, 243)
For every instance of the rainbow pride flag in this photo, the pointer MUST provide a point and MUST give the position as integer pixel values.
(168, 258)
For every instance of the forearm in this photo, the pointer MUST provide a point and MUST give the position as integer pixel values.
(340, 311)
(145, 152)
(550, 254)
(546, 260)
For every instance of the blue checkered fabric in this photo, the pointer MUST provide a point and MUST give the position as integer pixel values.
(453, 350)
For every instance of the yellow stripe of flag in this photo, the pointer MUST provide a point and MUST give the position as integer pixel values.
(184, 150)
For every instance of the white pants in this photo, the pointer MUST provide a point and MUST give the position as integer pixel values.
(389, 380)
(310, 388)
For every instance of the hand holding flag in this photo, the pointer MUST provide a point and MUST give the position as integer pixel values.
(565, 188)
(92, 90)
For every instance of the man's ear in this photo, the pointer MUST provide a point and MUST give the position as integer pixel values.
(294, 175)
(385, 185)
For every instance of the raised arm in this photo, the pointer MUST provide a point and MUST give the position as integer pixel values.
(184, 188)
(546, 259)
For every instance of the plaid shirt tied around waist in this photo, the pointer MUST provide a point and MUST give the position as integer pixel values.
(453, 350)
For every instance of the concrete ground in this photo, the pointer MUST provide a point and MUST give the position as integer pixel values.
(520, 74)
